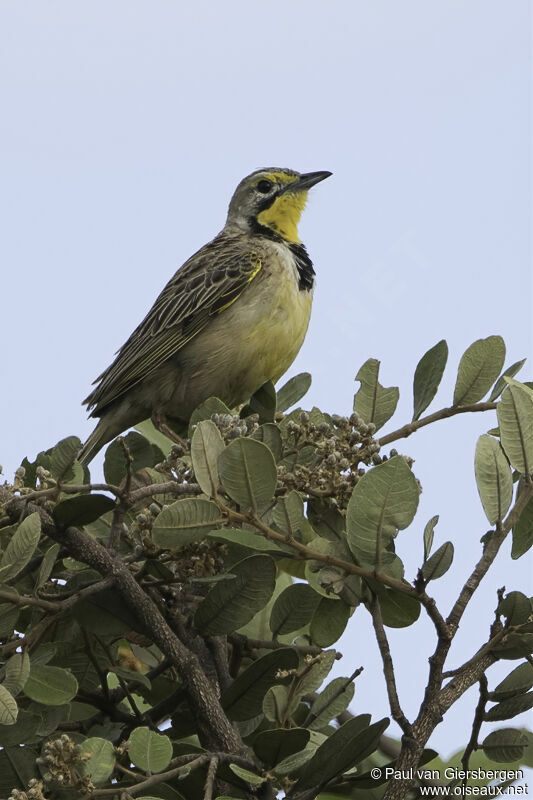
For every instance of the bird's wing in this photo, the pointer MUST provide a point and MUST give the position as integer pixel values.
(204, 286)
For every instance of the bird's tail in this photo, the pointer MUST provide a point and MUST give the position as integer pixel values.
(102, 434)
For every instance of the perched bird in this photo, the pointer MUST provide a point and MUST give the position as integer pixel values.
(233, 317)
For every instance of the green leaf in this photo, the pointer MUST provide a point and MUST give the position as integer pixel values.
(51, 686)
(510, 372)
(331, 702)
(384, 500)
(329, 622)
(270, 435)
(206, 410)
(346, 747)
(428, 375)
(231, 604)
(314, 676)
(509, 708)
(246, 775)
(479, 367)
(518, 681)
(248, 539)
(293, 609)
(428, 535)
(373, 401)
(398, 610)
(515, 645)
(82, 509)
(493, 477)
(263, 402)
(150, 432)
(505, 744)
(206, 446)
(273, 746)
(515, 418)
(144, 453)
(439, 563)
(523, 532)
(101, 759)
(8, 707)
(23, 731)
(293, 391)
(244, 698)
(17, 672)
(47, 564)
(21, 547)
(62, 458)
(248, 473)
(288, 514)
(9, 615)
(185, 521)
(515, 607)
(148, 750)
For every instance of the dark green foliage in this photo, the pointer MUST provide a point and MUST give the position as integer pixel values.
(183, 621)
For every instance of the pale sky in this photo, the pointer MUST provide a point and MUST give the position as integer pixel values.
(126, 126)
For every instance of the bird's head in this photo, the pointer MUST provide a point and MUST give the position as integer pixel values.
(272, 199)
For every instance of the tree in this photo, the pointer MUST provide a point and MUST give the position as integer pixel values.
(169, 633)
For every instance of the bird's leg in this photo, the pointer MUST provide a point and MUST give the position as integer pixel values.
(160, 422)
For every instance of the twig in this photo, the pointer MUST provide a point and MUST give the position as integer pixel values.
(171, 487)
(342, 688)
(388, 669)
(476, 724)
(210, 778)
(444, 413)
(266, 644)
(159, 777)
(27, 600)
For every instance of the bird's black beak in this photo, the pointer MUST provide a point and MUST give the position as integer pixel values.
(305, 181)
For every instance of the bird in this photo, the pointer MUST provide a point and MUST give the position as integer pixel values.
(232, 317)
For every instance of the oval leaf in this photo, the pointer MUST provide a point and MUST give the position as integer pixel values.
(428, 375)
(8, 707)
(329, 622)
(518, 681)
(51, 686)
(398, 610)
(493, 477)
(21, 547)
(83, 509)
(273, 746)
(428, 535)
(331, 702)
(479, 367)
(346, 747)
(263, 403)
(244, 698)
(232, 603)
(384, 500)
(185, 521)
(17, 672)
(148, 750)
(523, 532)
(509, 708)
(506, 744)
(500, 384)
(293, 609)
(99, 759)
(206, 446)
(63, 456)
(439, 563)
(144, 453)
(293, 391)
(515, 420)
(248, 473)
(373, 401)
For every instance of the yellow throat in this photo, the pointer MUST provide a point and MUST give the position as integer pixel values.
(284, 215)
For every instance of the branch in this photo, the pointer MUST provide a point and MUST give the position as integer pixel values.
(444, 413)
(388, 669)
(266, 644)
(476, 724)
(347, 566)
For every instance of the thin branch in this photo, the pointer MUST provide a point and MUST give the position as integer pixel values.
(266, 644)
(210, 778)
(476, 724)
(152, 780)
(444, 413)
(388, 669)
(347, 566)
(171, 487)
(27, 600)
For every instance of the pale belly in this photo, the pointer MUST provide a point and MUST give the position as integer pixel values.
(253, 341)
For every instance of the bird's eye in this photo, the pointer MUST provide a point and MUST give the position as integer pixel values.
(264, 186)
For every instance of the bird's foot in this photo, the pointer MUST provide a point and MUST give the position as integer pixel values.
(160, 422)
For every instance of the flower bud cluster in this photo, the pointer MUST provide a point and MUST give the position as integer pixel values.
(174, 464)
(34, 791)
(231, 426)
(60, 760)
